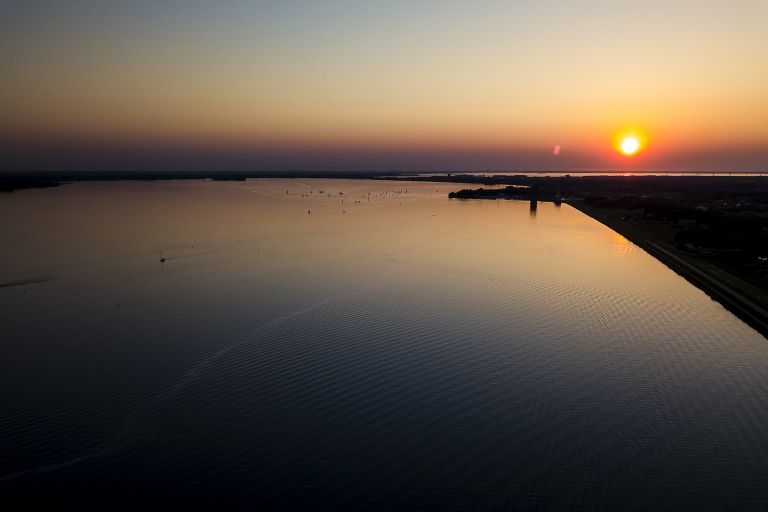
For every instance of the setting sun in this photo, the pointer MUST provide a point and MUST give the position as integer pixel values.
(630, 145)
(630, 140)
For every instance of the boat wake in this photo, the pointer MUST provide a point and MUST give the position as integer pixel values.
(131, 429)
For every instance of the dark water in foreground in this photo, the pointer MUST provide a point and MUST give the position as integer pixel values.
(411, 353)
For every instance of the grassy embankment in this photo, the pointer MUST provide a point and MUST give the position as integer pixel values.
(745, 300)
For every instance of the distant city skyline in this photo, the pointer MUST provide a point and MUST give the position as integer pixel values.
(342, 85)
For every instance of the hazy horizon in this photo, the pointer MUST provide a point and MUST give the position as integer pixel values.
(380, 86)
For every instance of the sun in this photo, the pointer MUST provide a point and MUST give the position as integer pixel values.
(630, 145)
(630, 141)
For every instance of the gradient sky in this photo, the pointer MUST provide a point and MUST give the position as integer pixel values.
(379, 85)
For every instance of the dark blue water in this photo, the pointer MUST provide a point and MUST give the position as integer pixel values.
(314, 350)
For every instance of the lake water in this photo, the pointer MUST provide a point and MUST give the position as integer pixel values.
(330, 345)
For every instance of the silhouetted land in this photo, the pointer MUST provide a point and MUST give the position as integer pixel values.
(10, 181)
(11, 184)
(711, 230)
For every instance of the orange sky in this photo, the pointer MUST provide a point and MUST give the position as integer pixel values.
(385, 85)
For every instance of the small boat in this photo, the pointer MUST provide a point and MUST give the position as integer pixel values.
(162, 260)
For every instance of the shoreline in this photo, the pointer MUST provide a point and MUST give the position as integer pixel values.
(736, 295)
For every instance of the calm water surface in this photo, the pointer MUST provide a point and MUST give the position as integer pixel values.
(388, 350)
